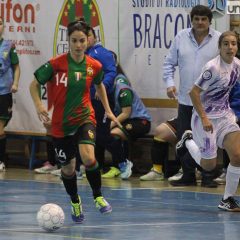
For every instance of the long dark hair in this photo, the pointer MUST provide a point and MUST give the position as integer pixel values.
(118, 66)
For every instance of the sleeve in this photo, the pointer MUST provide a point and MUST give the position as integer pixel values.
(170, 63)
(13, 56)
(44, 73)
(207, 76)
(125, 98)
(97, 79)
(109, 68)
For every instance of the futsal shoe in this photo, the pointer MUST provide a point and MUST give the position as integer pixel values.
(230, 204)
(112, 173)
(189, 180)
(77, 213)
(2, 167)
(152, 176)
(102, 205)
(126, 169)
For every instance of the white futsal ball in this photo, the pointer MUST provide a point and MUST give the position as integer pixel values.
(50, 217)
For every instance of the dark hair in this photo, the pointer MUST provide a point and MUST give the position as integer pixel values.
(224, 34)
(78, 25)
(201, 10)
(119, 68)
(93, 31)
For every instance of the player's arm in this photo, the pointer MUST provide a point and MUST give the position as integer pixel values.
(196, 101)
(125, 100)
(16, 76)
(40, 108)
(101, 91)
(16, 68)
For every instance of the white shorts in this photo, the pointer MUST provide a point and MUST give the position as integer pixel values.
(208, 142)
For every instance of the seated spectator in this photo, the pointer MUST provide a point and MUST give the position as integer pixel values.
(135, 120)
(164, 135)
(50, 165)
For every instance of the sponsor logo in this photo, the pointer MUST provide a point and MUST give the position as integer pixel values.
(19, 17)
(233, 7)
(217, 6)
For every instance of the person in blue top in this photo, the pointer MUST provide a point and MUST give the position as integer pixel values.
(135, 120)
(105, 57)
(9, 78)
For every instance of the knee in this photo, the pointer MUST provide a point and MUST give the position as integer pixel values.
(68, 170)
(208, 165)
(89, 161)
(235, 158)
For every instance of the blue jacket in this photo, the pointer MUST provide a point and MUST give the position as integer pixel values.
(105, 57)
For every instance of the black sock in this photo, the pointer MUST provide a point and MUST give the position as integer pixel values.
(94, 179)
(51, 154)
(70, 184)
(159, 152)
(100, 155)
(117, 150)
(3, 141)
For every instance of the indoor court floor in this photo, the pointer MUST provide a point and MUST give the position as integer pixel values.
(141, 210)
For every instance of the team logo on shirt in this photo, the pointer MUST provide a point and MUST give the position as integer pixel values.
(91, 134)
(5, 54)
(124, 94)
(89, 71)
(207, 75)
(9, 110)
(129, 126)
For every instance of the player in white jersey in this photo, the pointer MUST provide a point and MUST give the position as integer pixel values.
(213, 122)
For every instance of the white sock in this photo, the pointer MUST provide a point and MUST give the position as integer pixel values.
(193, 150)
(232, 179)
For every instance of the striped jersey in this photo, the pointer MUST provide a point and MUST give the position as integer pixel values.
(69, 91)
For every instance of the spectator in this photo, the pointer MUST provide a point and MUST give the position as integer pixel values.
(135, 120)
(193, 45)
(9, 79)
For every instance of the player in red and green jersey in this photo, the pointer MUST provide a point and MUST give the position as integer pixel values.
(73, 121)
(69, 88)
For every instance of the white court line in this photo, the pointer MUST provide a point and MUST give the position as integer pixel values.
(49, 234)
(155, 224)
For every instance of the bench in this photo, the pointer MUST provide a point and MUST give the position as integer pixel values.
(28, 148)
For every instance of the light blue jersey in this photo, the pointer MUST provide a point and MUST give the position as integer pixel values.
(138, 108)
(6, 71)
